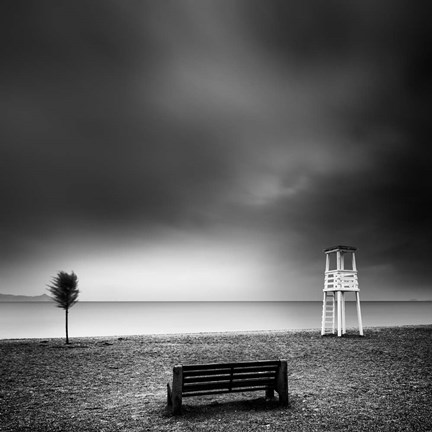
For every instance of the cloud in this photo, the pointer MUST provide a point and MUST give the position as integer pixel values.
(295, 125)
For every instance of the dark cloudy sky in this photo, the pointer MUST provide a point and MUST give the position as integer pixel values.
(209, 150)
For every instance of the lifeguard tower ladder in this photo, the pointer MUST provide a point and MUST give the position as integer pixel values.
(337, 282)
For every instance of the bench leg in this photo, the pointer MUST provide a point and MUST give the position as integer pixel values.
(269, 393)
(282, 383)
(169, 396)
(176, 395)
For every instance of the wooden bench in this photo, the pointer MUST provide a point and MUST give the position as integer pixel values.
(216, 378)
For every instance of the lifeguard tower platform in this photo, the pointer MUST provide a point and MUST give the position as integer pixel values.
(339, 280)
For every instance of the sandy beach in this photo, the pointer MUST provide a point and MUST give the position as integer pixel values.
(381, 382)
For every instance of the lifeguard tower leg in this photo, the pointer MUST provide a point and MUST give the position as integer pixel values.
(339, 313)
(343, 314)
(323, 324)
(359, 317)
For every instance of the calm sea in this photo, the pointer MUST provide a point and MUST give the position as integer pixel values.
(44, 320)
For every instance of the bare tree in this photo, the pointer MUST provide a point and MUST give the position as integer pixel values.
(64, 290)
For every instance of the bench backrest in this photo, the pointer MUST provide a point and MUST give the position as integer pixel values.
(216, 378)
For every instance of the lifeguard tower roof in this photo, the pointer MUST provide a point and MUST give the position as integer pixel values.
(340, 247)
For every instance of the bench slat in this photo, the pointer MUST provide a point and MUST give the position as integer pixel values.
(207, 372)
(228, 376)
(228, 384)
(215, 392)
(230, 365)
(193, 379)
(236, 370)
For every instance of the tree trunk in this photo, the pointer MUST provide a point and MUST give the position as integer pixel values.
(67, 332)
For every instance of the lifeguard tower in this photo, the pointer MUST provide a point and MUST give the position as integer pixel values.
(337, 281)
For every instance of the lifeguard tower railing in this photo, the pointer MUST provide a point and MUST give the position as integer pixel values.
(341, 280)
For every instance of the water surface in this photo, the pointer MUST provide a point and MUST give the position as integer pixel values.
(45, 320)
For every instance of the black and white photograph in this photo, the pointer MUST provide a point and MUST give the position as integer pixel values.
(216, 215)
